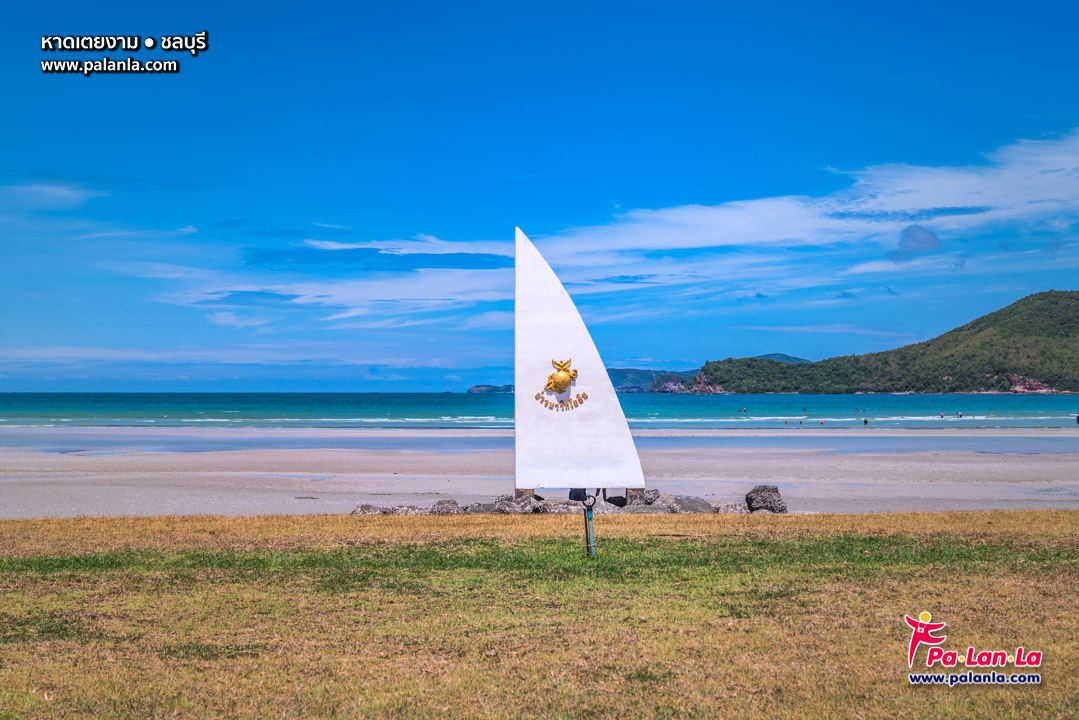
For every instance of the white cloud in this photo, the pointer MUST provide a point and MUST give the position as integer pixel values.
(826, 328)
(355, 312)
(343, 353)
(890, 266)
(234, 320)
(498, 319)
(47, 196)
(1029, 181)
(155, 270)
(420, 244)
(421, 290)
(389, 323)
(138, 234)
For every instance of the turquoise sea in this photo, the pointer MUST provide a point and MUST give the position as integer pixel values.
(461, 410)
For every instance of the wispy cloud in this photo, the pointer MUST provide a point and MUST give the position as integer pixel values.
(355, 312)
(156, 270)
(1031, 182)
(46, 196)
(827, 328)
(495, 319)
(419, 244)
(388, 300)
(234, 320)
(285, 353)
(138, 234)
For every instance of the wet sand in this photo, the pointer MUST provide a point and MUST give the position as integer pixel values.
(62, 472)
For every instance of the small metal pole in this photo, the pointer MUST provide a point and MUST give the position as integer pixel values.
(589, 535)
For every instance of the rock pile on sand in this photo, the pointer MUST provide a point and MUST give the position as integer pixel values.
(763, 499)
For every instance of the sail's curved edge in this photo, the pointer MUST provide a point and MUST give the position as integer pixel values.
(572, 437)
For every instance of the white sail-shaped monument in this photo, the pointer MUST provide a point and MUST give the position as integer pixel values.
(569, 426)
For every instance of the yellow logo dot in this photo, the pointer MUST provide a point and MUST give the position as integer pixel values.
(925, 616)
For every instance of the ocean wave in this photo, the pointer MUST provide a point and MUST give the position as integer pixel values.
(206, 420)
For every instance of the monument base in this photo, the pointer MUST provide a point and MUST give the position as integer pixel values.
(634, 494)
(520, 493)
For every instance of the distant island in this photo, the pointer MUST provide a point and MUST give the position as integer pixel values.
(490, 389)
(1028, 347)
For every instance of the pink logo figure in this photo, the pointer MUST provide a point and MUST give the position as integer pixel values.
(923, 633)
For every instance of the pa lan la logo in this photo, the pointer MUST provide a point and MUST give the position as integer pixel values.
(922, 634)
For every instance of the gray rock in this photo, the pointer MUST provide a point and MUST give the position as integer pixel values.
(523, 505)
(563, 507)
(765, 497)
(602, 508)
(480, 508)
(446, 507)
(671, 387)
(366, 509)
(689, 504)
(510, 508)
(684, 504)
(729, 508)
(762, 511)
(646, 498)
(405, 510)
(654, 509)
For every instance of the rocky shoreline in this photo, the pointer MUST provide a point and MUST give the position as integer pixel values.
(761, 499)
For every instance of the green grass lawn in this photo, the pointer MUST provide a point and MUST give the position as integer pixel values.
(678, 616)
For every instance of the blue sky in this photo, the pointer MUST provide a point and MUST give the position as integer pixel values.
(325, 198)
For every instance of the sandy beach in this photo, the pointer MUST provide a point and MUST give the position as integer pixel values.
(63, 472)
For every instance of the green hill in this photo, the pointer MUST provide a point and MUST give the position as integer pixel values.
(634, 380)
(781, 357)
(1031, 345)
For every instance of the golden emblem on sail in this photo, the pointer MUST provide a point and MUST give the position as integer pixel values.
(559, 381)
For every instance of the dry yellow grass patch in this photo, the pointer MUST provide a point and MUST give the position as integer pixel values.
(100, 534)
(491, 617)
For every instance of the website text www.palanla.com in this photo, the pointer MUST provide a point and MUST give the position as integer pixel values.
(108, 65)
(973, 678)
